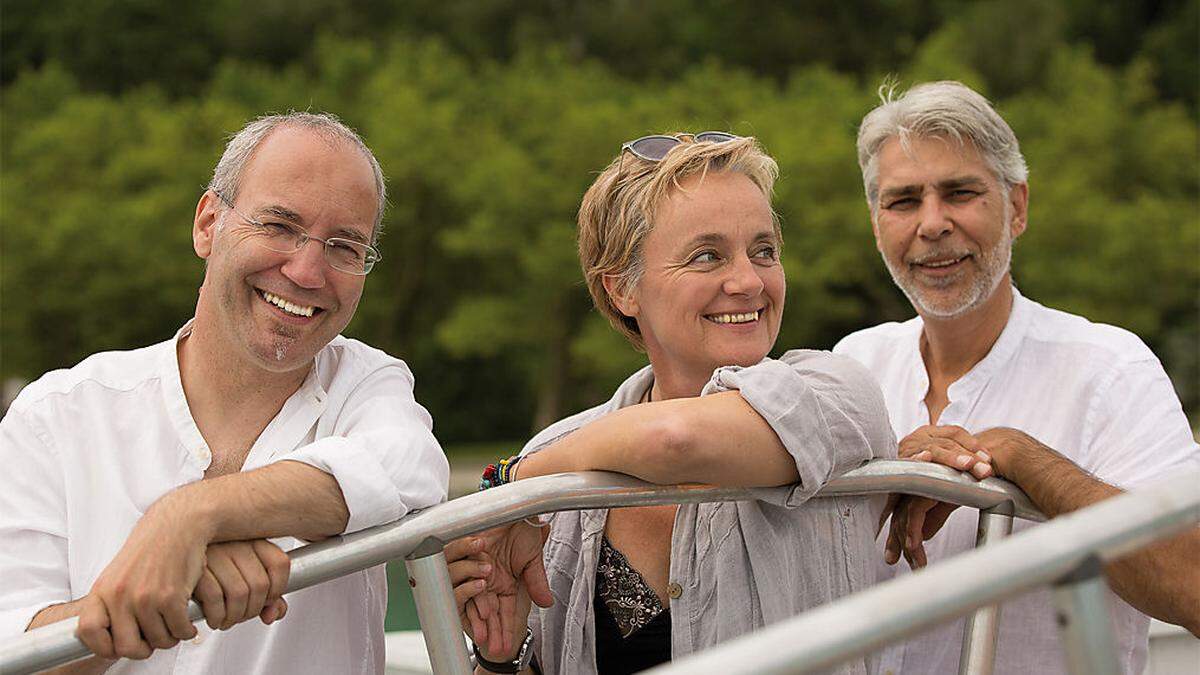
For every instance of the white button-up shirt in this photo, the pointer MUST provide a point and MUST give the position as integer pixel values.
(87, 450)
(1094, 393)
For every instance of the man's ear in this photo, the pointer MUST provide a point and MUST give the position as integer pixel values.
(625, 302)
(204, 226)
(1018, 202)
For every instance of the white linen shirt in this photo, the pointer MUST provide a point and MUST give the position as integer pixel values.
(87, 450)
(1094, 393)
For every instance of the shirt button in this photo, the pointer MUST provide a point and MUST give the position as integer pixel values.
(674, 590)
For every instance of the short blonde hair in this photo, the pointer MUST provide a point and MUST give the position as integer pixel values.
(617, 212)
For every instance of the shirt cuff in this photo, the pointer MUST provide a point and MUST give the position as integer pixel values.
(795, 418)
(371, 496)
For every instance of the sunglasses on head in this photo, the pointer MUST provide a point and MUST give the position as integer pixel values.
(655, 148)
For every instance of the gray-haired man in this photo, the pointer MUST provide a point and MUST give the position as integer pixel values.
(988, 381)
(140, 479)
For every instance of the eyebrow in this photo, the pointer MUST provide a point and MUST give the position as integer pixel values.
(714, 238)
(287, 214)
(942, 186)
(282, 212)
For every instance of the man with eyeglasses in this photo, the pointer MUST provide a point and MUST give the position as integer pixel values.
(138, 480)
(987, 381)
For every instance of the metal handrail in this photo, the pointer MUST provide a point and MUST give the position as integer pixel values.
(906, 606)
(422, 534)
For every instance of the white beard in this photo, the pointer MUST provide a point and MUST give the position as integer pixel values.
(992, 265)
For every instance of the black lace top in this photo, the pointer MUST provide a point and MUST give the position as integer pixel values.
(633, 629)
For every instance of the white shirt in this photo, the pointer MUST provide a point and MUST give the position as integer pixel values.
(85, 451)
(1094, 393)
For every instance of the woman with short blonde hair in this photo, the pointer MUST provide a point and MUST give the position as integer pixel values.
(680, 250)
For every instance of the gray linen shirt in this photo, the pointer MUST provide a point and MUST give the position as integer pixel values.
(740, 565)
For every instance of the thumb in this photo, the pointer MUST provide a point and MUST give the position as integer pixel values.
(534, 577)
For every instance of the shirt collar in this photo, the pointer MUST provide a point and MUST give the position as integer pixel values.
(312, 390)
(1001, 352)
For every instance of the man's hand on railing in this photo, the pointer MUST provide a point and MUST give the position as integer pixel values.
(916, 519)
(243, 580)
(508, 560)
(133, 608)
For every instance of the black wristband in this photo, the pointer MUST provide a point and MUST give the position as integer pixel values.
(521, 662)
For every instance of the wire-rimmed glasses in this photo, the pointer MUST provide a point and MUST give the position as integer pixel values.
(342, 254)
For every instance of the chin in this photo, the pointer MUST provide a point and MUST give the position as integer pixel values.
(740, 357)
(282, 356)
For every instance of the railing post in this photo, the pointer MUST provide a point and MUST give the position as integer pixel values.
(434, 597)
(978, 655)
(1084, 621)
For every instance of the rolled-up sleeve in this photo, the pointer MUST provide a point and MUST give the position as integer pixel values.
(381, 451)
(826, 409)
(33, 525)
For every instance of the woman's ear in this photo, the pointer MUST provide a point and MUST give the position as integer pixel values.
(624, 300)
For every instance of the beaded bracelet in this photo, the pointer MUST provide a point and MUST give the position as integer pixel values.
(495, 475)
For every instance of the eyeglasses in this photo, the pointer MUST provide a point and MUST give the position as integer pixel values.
(343, 255)
(655, 148)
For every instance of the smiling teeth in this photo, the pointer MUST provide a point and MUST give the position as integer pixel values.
(286, 306)
(942, 263)
(735, 318)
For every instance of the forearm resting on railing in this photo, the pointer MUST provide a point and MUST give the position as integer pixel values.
(1161, 580)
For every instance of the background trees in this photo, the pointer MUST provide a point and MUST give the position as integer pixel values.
(491, 118)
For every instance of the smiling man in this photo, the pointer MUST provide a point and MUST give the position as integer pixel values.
(137, 480)
(988, 381)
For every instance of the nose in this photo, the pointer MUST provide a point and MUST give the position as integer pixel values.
(306, 267)
(934, 222)
(743, 279)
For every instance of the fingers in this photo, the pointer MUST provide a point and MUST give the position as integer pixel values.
(479, 634)
(274, 611)
(175, 616)
(127, 639)
(936, 518)
(891, 551)
(467, 590)
(496, 637)
(211, 598)
(152, 626)
(466, 569)
(462, 548)
(892, 500)
(949, 452)
(278, 567)
(914, 548)
(234, 588)
(93, 628)
(536, 583)
(257, 582)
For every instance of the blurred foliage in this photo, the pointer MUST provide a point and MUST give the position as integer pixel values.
(491, 118)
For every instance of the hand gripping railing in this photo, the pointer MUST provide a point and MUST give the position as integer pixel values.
(420, 537)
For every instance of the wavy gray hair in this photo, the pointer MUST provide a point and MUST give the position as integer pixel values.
(945, 109)
(227, 176)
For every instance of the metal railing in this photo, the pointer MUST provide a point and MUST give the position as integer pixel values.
(1066, 553)
(420, 537)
